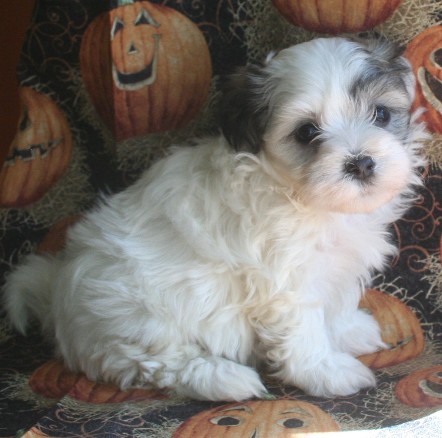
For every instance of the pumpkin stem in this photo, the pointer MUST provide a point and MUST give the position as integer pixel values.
(125, 2)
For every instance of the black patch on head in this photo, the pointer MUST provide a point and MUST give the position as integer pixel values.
(243, 110)
(385, 67)
(386, 70)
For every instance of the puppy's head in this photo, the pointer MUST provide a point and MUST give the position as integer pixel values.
(332, 116)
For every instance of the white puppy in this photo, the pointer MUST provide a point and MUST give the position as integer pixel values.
(221, 259)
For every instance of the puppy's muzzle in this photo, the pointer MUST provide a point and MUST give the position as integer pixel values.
(361, 167)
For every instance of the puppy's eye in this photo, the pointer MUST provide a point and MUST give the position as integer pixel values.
(381, 116)
(306, 133)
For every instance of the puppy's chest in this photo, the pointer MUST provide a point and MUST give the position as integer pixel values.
(332, 241)
(329, 248)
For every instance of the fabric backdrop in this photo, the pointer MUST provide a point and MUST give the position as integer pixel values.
(91, 122)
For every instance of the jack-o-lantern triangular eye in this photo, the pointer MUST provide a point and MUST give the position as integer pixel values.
(145, 18)
(25, 121)
(116, 27)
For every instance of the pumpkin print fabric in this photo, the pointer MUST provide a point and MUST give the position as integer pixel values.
(276, 419)
(153, 71)
(425, 54)
(400, 328)
(421, 388)
(39, 153)
(337, 16)
(106, 88)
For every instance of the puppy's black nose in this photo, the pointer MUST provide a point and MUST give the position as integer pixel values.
(360, 167)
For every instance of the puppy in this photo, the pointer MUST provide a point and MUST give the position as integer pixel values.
(249, 249)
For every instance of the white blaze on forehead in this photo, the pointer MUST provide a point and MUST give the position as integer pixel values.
(326, 74)
(321, 65)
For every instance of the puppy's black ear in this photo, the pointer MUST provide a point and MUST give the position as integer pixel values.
(244, 110)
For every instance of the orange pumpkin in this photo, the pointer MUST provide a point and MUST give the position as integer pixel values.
(336, 16)
(53, 380)
(277, 418)
(92, 392)
(423, 388)
(39, 153)
(400, 329)
(425, 54)
(147, 68)
(56, 236)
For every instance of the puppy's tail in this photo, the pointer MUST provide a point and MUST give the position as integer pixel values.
(27, 293)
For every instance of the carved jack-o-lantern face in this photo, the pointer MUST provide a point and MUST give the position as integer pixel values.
(153, 70)
(425, 54)
(400, 329)
(279, 418)
(39, 153)
(423, 388)
(135, 48)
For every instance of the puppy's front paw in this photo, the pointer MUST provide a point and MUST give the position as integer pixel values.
(338, 375)
(359, 335)
(218, 379)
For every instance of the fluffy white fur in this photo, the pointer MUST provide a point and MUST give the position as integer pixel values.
(219, 261)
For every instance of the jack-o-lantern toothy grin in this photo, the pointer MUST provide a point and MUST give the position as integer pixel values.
(422, 388)
(431, 86)
(432, 386)
(425, 55)
(33, 150)
(135, 53)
